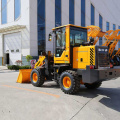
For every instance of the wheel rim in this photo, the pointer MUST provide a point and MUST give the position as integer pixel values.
(66, 82)
(35, 77)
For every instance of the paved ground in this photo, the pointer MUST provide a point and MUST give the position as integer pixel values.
(25, 102)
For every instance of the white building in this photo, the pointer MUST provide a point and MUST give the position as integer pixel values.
(25, 24)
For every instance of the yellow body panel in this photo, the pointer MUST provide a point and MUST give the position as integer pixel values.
(65, 57)
(83, 56)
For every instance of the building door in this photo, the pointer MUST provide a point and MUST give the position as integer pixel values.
(7, 59)
(12, 45)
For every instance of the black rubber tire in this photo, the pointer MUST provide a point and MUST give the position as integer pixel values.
(40, 80)
(75, 82)
(93, 86)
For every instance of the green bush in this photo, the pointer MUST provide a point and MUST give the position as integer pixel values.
(16, 67)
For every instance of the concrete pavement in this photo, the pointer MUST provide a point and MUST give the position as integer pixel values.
(3, 67)
(26, 102)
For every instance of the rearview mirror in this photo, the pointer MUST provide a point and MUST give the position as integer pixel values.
(50, 37)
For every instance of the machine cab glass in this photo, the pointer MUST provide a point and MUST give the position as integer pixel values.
(60, 41)
(77, 36)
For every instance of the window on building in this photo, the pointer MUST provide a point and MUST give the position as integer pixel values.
(100, 25)
(114, 27)
(17, 8)
(107, 26)
(119, 28)
(4, 11)
(83, 13)
(119, 44)
(119, 41)
(92, 15)
(71, 11)
(41, 26)
(57, 13)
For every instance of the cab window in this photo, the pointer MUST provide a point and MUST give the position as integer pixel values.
(77, 36)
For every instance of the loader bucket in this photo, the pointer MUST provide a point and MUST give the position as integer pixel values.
(24, 76)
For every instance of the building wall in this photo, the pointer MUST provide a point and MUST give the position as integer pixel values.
(22, 20)
(28, 18)
(108, 9)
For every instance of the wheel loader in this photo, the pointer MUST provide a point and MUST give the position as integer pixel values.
(75, 61)
(111, 42)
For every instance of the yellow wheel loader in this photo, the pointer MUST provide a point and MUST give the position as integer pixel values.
(74, 61)
(112, 39)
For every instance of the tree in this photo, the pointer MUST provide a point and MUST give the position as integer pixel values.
(28, 58)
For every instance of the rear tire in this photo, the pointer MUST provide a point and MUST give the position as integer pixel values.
(69, 82)
(93, 85)
(37, 79)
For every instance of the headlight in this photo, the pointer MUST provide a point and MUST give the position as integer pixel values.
(102, 50)
(106, 50)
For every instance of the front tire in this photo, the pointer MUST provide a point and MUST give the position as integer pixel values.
(69, 82)
(37, 79)
(93, 85)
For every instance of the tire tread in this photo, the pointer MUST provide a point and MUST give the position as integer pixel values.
(76, 82)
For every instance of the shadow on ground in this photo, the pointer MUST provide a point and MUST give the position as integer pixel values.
(111, 96)
(50, 84)
(111, 99)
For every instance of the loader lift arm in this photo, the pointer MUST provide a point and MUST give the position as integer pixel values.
(113, 45)
(100, 34)
(108, 37)
(118, 52)
(40, 61)
(95, 33)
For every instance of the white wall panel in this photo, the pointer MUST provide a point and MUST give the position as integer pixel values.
(65, 11)
(78, 12)
(87, 13)
(50, 22)
(10, 11)
(33, 28)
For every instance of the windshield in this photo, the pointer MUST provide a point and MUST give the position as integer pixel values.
(77, 36)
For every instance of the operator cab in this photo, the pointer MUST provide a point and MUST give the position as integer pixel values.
(67, 37)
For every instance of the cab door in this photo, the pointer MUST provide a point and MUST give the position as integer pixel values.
(61, 49)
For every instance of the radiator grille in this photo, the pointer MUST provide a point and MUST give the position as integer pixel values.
(103, 60)
(103, 56)
(92, 56)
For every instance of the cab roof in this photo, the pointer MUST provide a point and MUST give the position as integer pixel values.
(69, 25)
